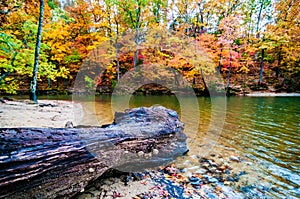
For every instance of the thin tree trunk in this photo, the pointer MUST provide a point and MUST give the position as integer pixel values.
(137, 37)
(117, 55)
(278, 63)
(261, 66)
(200, 19)
(206, 91)
(229, 70)
(136, 52)
(259, 17)
(250, 28)
(33, 83)
(117, 51)
(220, 62)
(49, 83)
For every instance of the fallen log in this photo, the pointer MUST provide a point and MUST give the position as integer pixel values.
(61, 162)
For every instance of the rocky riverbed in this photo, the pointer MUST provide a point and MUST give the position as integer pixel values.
(213, 180)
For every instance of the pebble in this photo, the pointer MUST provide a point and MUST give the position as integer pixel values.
(229, 149)
(201, 171)
(138, 176)
(140, 153)
(155, 151)
(234, 158)
(210, 179)
(249, 163)
(211, 163)
(242, 173)
(173, 144)
(206, 164)
(226, 183)
(195, 181)
(172, 113)
(148, 155)
(91, 170)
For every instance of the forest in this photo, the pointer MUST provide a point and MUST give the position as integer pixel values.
(252, 44)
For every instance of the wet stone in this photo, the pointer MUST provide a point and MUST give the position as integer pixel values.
(210, 179)
(173, 113)
(234, 158)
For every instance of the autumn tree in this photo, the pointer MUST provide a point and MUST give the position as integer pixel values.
(285, 34)
(133, 12)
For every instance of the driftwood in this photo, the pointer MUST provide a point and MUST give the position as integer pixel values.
(61, 162)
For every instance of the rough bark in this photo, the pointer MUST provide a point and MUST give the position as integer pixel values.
(259, 17)
(33, 83)
(261, 67)
(59, 162)
(117, 53)
(220, 61)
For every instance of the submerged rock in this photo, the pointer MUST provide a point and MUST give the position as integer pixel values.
(234, 158)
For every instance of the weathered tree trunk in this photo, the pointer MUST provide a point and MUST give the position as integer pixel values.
(135, 59)
(259, 17)
(261, 70)
(220, 61)
(59, 163)
(229, 69)
(278, 63)
(33, 83)
(117, 53)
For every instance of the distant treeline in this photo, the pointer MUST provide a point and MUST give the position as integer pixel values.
(253, 45)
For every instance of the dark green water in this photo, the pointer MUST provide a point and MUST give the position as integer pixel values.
(263, 130)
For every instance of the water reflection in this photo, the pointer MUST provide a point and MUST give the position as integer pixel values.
(265, 130)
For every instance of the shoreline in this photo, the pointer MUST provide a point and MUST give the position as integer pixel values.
(272, 94)
(68, 97)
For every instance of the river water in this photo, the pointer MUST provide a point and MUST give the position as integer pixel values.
(262, 131)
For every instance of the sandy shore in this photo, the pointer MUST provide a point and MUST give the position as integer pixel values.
(48, 113)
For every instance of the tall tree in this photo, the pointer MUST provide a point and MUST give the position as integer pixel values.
(263, 5)
(229, 27)
(286, 33)
(133, 12)
(33, 83)
(114, 21)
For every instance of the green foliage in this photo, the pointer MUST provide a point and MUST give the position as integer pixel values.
(17, 58)
(11, 87)
(73, 58)
(90, 84)
(51, 4)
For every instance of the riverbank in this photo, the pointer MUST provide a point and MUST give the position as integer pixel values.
(272, 94)
(216, 176)
(68, 97)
